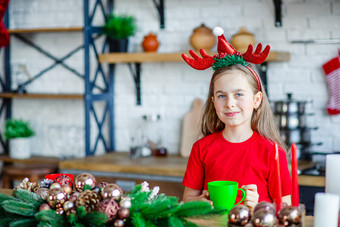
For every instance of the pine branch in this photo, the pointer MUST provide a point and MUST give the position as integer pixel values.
(18, 207)
(29, 197)
(193, 208)
(24, 222)
(175, 221)
(94, 219)
(4, 197)
(50, 218)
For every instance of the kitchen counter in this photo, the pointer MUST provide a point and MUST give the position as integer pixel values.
(171, 167)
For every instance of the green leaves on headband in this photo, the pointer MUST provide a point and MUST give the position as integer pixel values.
(228, 60)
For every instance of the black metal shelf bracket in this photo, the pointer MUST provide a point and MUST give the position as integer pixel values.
(160, 9)
(263, 74)
(278, 13)
(136, 77)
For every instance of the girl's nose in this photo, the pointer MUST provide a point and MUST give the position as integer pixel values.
(230, 103)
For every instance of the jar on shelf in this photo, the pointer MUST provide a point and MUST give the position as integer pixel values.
(242, 39)
(202, 38)
(150, 43)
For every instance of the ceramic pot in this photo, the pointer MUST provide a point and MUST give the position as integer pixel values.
(118, 45)
(19, 148)
(202, 38)
(242, 39)
(150, 43)
(289, 106)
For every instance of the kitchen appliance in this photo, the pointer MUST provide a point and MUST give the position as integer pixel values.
(291, 116)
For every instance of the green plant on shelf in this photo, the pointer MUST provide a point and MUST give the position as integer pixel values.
(120, 26)
(17, 128)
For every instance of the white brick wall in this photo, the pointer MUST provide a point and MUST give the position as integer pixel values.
(170, 88)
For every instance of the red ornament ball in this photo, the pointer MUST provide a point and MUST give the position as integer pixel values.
(110, 207)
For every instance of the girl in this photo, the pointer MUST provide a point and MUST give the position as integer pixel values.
(239, 132)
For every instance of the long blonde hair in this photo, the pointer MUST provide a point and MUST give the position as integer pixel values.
(262, 120)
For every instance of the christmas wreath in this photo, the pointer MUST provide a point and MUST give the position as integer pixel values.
(60, 201)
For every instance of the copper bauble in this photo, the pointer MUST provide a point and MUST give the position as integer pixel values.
(239, 215)
(270, 207)
(42, 192)
(263, 218)
(289, 215)
(84, 179)
(44, 206)
(118, 223)
(150, 43)
(56, 196)
(68, 205)
(123, 213)
(74, 196)
(109, 207)
(202, 38)
(111, 191)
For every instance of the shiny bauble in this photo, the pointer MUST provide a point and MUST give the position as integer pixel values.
(96, 189)
(150, 43)
(270, 207)
(44, 206)
(42, 192)
(263, 218)
(84, 179)
(123, 213)
(63, 180)
(60, 211)
(110, 207)
(55, 185)
(125, 202)
(239, 215)
(67, 189)
(241, 40)
(118, 223)
(202, 38)
(289, 215)
(68, 205)
(56, 196)
(74, 196)
(111, 191)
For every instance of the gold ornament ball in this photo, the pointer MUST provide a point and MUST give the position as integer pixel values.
(67, 189)
(125, 202)
(55, 185)
(44, 206)
(56, 196)
(111, 191)
(60, 211)
(118, 223)
(68, 205)
(84, 179)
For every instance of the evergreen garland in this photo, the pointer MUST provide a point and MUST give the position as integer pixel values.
(148, 209)
(228, 60)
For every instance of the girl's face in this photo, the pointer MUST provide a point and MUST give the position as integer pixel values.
(234, 100)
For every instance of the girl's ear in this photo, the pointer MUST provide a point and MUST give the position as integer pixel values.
(212, 99)
(257, 99)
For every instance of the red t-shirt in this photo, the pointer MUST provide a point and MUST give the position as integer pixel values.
(214, 158)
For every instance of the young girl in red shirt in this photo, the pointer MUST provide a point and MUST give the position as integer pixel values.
(238, 128)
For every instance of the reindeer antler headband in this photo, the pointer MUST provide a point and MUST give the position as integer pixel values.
(227, 55)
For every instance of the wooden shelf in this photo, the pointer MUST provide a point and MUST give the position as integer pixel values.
(32, 30)
(41, 96)
(274, 56)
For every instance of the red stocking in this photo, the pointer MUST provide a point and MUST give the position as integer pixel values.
(4, 36)
(332, 71)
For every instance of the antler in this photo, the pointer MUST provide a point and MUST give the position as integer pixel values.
(257, 57)
(199, 63)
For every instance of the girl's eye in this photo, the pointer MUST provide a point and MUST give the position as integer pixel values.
(221, 96)
(239, 94)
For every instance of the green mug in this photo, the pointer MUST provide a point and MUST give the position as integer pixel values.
(223, 194)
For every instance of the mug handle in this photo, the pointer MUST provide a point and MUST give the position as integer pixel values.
(243, 195)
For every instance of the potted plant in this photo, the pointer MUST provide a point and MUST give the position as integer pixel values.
(118, 29)
(18, 133)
